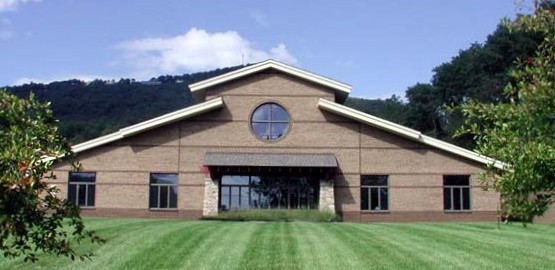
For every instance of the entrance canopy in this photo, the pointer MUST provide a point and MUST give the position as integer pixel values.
(269, 164)
(270, 160)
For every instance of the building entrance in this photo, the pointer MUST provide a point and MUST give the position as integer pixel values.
(268, 192)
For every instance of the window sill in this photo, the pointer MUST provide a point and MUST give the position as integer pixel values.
(163, 209)
(457, 211)
(87, 208)
(375, 211)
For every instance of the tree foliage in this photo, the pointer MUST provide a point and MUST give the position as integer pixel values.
(392, 109)
(32, 217)
(89, 110)
(520, 130)
(479, 73)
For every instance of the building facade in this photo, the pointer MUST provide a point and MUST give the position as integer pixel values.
(272, 136)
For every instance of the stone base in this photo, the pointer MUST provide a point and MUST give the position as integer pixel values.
(327, 197)
(210, 205)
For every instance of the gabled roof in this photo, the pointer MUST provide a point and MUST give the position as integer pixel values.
(406, 132)
(150, 124)
(342, 90)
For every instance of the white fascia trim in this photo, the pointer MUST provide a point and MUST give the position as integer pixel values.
(271, 64)
(368, 119)
(150, 124)
(406, 132)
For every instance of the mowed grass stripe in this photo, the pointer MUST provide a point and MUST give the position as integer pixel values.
(167, 250)
(222, 248)
(373, 248)
(273, 245)
(175, 244)
(457, 248)
(504, 244)
(129, 249)
(432, 252)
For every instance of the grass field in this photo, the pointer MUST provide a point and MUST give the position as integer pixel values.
(172, 244)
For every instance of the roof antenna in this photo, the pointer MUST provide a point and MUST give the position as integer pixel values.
(242, 59)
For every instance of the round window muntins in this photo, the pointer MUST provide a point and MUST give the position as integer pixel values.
(270, 121)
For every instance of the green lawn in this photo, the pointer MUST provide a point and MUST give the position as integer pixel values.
(173, 244)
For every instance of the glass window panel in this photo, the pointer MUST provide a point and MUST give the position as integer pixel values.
(447, 198)
(224, 199)
(234, 197)
(163, 178)
(278, 130)
(90, 195)
(270, 121)
(262, 113)
(466, 198)
(82, 177)
(384, 199)
(456, 180)
(244, 198)
(364, 198)
(457, 199)
(279, 114)
(374, 199)
(173, 196)
(163, 197)
(373, 180)
(72, 193)
(82, 194)
(271, 192)
(235, 180)
(262, 130)
(153, 197)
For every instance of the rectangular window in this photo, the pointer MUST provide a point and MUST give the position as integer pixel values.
(273, 192)
(374, 192)
(163, 191)
(81, 188)
(456, 192)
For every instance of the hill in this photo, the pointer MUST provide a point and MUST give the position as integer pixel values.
(87, 110)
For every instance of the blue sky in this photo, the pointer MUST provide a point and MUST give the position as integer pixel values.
(378, 47)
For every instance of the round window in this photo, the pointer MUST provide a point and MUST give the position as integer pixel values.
(270, 121)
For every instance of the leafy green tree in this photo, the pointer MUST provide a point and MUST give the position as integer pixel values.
(478, 73)
(32, 217)
(392, 109)
(520, 132)
(423, 109)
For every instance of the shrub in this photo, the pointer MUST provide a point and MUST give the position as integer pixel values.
(275, 215)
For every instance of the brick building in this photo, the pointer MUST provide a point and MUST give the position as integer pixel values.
(275, 136)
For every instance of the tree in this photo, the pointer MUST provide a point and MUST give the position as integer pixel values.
(32, 217)
(392, 109)
(478, 73)
(520, 131)
(423, 109)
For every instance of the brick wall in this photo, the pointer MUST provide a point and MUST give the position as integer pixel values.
(123, 167)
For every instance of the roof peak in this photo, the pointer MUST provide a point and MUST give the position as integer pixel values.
(342, 90)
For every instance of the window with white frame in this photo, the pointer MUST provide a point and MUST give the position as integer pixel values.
(456, 192)
(374, 192)
(163, 191)
(81, 188)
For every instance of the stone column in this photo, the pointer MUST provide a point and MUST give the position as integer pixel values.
(327, 198)
(210, 207)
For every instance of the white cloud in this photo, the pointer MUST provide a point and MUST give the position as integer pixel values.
(196, 50)
(10, 5)
(55, 78)
(259, 17)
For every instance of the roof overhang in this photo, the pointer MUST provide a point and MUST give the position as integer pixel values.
(406, 132)
(341, 90)
(270, 160)
(151, 124)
